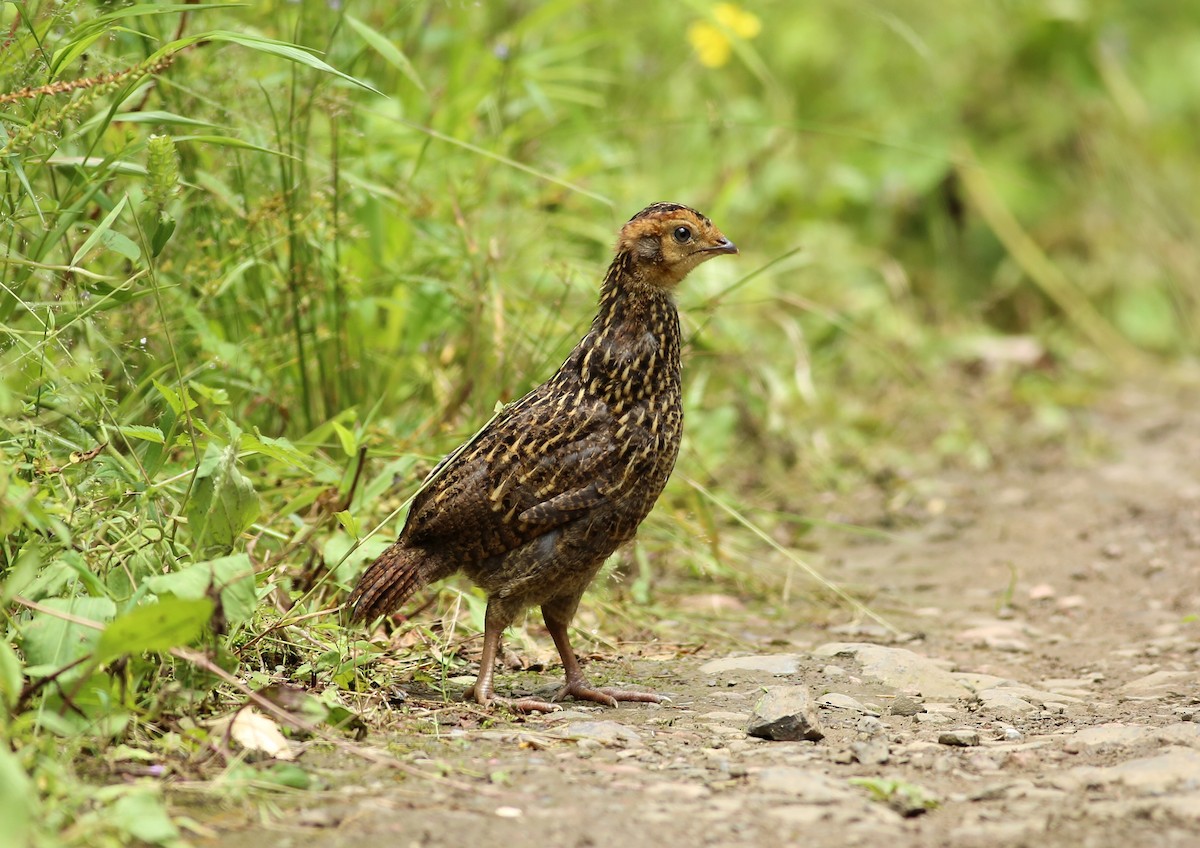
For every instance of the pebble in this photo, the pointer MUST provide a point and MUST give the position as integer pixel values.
(837, 701)
(600, 733)
(962, 737)
(999, 700)
(1147, 775)
(785, 713)
(899, 668)
(902, 705)
(870, 752)
(999, 636)
(1160, 683)
(774, 664)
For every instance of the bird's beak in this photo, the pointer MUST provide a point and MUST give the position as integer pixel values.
(724, 246)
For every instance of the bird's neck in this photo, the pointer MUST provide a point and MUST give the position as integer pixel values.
(632, 348)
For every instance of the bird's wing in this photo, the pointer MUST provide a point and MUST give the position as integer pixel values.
(538, 464)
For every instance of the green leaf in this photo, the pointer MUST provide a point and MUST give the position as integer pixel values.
(52, 640)
(392, 54)
(263, 45)
(18, 802)
(155, 627)
(164, 228)
(11, 679)
(223, 502)
(348, 440)
(101, 231)
(173, 398)
(143, 815)
(280, 449)
(350, 524)
(231, 576)
(145, 434)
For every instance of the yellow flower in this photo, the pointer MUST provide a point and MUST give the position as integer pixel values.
(741, 23)
(711, 42)
(711, 46)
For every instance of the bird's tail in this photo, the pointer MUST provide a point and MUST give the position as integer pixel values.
(388, 582)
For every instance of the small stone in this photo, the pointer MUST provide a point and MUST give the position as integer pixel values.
(599, 733)
(785, 713)
(903, 705)
(899, 668)
(869, 726)
(999, 700)
(773, 664)
(837, 701)
(999, 636)
(870, 752)
(509, 812)
(1107, 737)
(961, 738)
(1041, 592)
(1160, 683)
(1072, 602)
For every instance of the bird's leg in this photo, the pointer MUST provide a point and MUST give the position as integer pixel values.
(558, 614)
(498, 617)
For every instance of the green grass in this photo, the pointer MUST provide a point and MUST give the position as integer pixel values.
(262, 265)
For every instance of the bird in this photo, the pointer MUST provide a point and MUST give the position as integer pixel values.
(532, 505)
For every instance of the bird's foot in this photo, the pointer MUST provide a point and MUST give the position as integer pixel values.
(527, 705)
(580, 691)
(517, 705)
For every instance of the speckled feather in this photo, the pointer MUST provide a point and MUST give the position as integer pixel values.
(535, 503)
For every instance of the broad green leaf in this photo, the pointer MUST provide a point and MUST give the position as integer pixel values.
(173, 398)
(145, 434)
(350, 524)
(348, 440)
(18, 801)
(155, 627)
(54, 641)
(143, 815)
(280, 449)
(232, 576)
(223, 502)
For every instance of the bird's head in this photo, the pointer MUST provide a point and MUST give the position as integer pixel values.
(665, 241)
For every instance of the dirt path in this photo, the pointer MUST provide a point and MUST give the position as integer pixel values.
(1058, 652)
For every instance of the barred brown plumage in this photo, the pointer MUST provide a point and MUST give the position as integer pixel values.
(532, 506)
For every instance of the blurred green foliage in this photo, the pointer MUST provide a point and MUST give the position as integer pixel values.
(243, 245)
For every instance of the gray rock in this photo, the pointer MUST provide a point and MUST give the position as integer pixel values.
(871, 752)
(605, 732)
(1002, 700)
(1107, 737)
(774, 664)
(963, 737)
(837, 701)
(785, 713)
(1168, 771)
(1160, 683)
(899, 668)
(903, 705)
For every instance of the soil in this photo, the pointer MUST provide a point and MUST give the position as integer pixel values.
(1046, 692)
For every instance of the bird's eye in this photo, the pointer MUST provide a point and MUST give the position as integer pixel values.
(682, 235)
